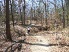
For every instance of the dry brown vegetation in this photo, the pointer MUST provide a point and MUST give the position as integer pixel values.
(39, 38)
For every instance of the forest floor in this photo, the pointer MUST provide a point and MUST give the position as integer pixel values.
(43, 41)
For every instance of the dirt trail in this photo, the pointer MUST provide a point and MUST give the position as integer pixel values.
(39, 48)
(38, 43)
(44, 39)
(41, 40)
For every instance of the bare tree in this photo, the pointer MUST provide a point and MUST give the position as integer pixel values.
(67, 8)
(63, 14)
(11, 2)
(24, 12)
(31, 16)
(4, 6)
(20, 1)
(8, 34)
(45, 5)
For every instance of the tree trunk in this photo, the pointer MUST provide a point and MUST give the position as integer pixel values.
(31, 16)
(24, 12)
(46, 13)
(67, 11)
(12, 13)
(4, 6)
(8, 34)
(63, 15)
(21, 16)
